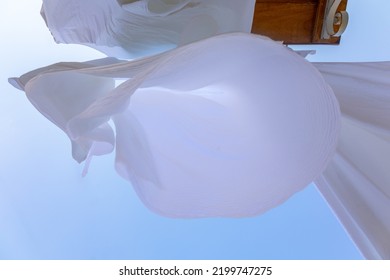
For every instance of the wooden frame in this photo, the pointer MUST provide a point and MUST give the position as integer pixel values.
(293, 21)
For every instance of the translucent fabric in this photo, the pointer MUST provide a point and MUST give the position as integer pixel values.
(208, 129)
(130, 29)
(356, 183)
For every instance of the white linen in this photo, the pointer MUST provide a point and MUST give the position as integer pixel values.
(131, 29)
(211, 129)
(205, 130)
(356, 183)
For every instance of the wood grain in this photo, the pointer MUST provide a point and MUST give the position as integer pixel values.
(292, 21)
(288, 22)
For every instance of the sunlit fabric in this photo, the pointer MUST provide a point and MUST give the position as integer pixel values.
(356, 183)
(129, 29)
(228, 126)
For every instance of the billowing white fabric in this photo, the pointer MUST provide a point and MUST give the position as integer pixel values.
(205, 130)
(130, 29)
(356, 183)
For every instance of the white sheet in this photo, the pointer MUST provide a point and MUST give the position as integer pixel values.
(356, 183)
(144, 27)
(218, 127)
(205, 130)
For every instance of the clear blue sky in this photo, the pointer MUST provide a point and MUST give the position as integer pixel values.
(47, 211)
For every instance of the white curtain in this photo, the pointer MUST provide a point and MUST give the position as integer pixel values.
(131, 29)
(356, 183)
(205, 130)
(228, 126)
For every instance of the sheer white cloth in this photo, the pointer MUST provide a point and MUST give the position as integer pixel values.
(356, 183)
(205, 130)
(209, 129)
(130, 29)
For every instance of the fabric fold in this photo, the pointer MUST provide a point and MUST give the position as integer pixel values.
(356, 184)
(154, 7)
(132, 29)
(60, 92)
